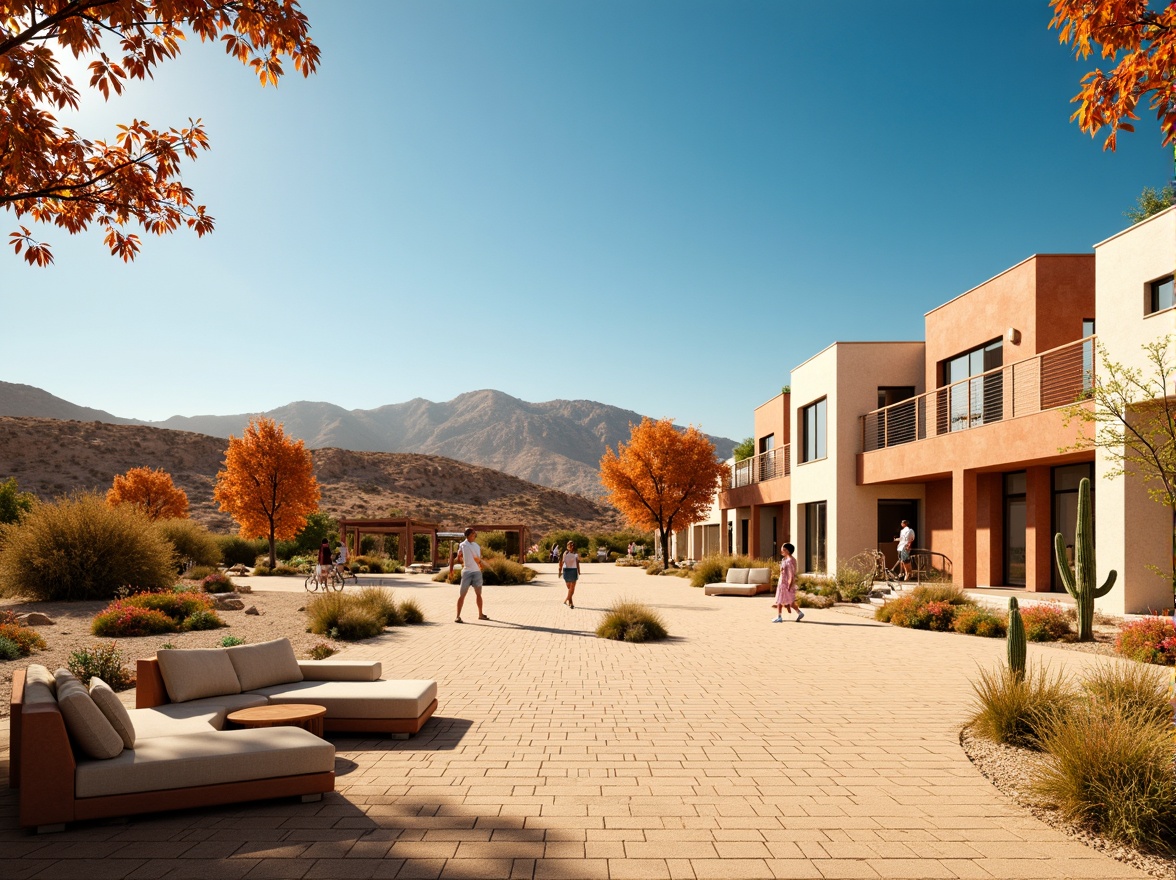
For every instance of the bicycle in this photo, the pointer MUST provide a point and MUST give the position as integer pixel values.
(344, 574)
(330, 580)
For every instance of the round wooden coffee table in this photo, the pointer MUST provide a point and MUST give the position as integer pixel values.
(304, 715)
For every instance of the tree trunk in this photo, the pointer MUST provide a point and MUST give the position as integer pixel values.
(273, 550)
(665, 546)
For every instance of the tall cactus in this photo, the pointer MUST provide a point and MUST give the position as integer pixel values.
(1016, 640)
(1080, 583)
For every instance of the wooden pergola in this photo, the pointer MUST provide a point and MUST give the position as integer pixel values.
(351, 532)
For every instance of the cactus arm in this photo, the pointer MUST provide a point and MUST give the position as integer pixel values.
(1099, 592)
(1064, 571)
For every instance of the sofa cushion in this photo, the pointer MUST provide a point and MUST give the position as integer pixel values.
(209, 758)
(194, 716)
(263, 664)
(111, 706)
(729, 590)
(759, 575)
(198, 672)
(88, 728)
(359, 699)
(38, 674)
(736, 575)
(341, 670)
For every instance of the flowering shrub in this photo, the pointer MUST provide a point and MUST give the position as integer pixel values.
(1046, 622)
(940, 615)
(25, 638)
(1150, 640)
(123, 620)
(104, 661)
(979, 621)
(217, 583)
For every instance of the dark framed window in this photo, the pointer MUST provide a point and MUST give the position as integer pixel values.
(815, 524)
(767, 443)
(1160, 295)
(1015, 528)
(1065, 480)
(812, 431)
(976, 395)
(1087, 354)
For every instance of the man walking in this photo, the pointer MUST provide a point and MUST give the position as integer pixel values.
(906, 540)
(471, 572)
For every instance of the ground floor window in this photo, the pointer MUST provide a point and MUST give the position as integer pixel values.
(814, 537)
(1015, 520)
(1065, 481)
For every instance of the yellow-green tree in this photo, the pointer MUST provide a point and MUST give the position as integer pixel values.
(664, 478)
(267, 484)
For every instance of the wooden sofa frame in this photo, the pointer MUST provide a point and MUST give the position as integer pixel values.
(42, 758)
(150, 691)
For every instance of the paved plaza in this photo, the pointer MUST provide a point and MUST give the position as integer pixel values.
(737, 749)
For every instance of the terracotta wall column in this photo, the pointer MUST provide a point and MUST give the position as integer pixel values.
(963, 508)
(724, 544)
(754, 528)
(1038, 539)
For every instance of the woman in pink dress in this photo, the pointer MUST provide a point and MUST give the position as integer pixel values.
(786, 588)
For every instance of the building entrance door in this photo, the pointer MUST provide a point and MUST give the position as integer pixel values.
(891, 513)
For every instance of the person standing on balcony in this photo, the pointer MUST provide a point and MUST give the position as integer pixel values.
(906, 541)
(571, 572)
(786, 587)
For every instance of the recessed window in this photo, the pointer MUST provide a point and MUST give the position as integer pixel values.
(812, 431)
(1160, 295)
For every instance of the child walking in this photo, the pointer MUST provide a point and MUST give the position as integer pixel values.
(786, 588)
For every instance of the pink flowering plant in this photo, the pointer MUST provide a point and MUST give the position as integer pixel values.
(1150, 640)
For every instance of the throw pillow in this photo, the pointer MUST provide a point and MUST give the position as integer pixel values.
(87, 726)
(114, 710)
(189, 674)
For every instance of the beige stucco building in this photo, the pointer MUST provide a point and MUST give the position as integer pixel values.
(966, 434)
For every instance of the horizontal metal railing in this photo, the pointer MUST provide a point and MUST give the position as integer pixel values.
(765, 466)
(1055, 378)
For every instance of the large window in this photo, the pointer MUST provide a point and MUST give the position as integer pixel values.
(812, 431)
(1160, 295)
(1065, 480)
(973, 398)
(814, 537)
(1015, 528)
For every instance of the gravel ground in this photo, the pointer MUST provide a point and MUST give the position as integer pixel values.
(279, 617)
(1010, 769)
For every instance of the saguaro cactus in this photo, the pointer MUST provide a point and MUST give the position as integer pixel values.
(1016, 639)
(1080, 583)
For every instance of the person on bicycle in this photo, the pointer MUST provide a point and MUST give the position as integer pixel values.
(341, 559)
(323, 567)
(906, 541)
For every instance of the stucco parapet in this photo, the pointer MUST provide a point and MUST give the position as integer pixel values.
(880, 342)
(1137, 226)
(1032, 258)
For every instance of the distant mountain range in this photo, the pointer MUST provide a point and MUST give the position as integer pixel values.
(558, 443)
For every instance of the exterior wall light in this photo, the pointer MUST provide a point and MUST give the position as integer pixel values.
(1013, 335)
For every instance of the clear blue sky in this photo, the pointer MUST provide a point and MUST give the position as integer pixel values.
(660, 205)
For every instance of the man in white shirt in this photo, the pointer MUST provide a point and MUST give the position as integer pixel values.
(906, 540)
(471, 572)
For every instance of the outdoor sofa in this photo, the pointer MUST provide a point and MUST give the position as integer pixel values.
(742, 582)
(78, 754)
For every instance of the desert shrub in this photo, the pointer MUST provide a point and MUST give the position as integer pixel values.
(979, 621)
(925, 607)
(231, 641)
(199, 572)
(25, 638)
(301, 564)
(1137, 689)
(104, 661)
(374, 564)
(120, 620)
(631, 622)
(286, 570)
(506, 572)
(853, 581)
(445, 576)
(411, 611)
(709, 570)
(9, 650)
(943, 593)
(906, 611)
(392, 566)
(191, 541)
(338, 615)
(79, 547)
(495, 541)
(9, 616)
(262, 571)
(940, 615)
(1110, 769)
(175, 604)
(321, 651)
(1016, 710)
(655, 567)
(218, 582)
(200, 620)
(1046, 622)
(814, 600)
(380, 604)
(236, 550)
(1149, 640)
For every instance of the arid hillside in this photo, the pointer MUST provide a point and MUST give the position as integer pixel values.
(50, 457)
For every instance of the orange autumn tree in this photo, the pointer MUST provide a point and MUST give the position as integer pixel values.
(54, 175)
(267, 484)
(1141, 41)
(152, 491)
(663, 479)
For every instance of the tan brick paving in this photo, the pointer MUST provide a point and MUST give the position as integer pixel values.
(738, 749)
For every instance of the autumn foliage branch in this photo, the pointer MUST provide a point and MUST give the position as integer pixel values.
(55, 176)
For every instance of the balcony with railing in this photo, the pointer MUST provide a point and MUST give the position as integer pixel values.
(760, 468)
(1056, 378)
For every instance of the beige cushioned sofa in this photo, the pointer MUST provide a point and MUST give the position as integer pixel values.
(742, 582)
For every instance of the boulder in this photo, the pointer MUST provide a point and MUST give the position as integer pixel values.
(228, 602)
(252, 609)
(35, 618)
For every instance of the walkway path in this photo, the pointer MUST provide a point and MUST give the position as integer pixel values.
(740, 749)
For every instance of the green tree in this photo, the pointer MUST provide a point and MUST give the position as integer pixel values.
(319, 525)
(1151, 201)
(13, 503)
(1135, 423)
(745, 449)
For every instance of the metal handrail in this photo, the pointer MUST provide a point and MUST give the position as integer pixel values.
(766, 466)
(1059, 377)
